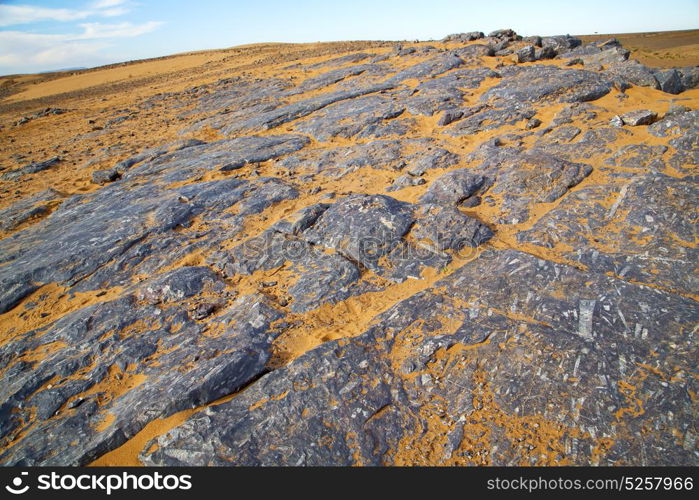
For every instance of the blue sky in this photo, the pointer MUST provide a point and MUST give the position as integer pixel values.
(41, 35)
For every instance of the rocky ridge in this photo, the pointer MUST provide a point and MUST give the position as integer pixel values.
(474, 251)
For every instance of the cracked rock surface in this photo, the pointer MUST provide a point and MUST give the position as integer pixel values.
(477, 251)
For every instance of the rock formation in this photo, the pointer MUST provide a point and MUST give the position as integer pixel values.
(474, 251)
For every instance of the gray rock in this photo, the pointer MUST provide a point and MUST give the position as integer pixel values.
(362, 227)
(670, 81)
(616, 121)
(538, 83)
(370, 116)
(547, 52)
(690, 77)
(506, 34)
(533, 40)
(427, 69)
(560, 44)
(453, 188)
(32, 168)
(374, 407)
(219, 366)
(449, 116)
(205, 253)
(533, 123)
(603, 238)
(525, 180)
(105, 176)
(635, 73)
(463, 37)
(28, 209)
(176, 285)
(474, 52)
(526, 54)
(639, 117)
(405, 181)
(446, 228)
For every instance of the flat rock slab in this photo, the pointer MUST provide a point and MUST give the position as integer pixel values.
(436, 364)
(118, 365)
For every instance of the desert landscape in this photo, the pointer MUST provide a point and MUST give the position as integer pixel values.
(480, 250)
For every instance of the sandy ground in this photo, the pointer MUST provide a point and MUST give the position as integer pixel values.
(661, 49)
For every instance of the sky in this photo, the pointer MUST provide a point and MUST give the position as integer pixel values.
(43, 35)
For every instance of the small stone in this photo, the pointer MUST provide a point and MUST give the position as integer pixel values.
(639, 117)
(204, 310)
(532, 123)
(616, 121)
(526, 54)
(105, 176)
(449, 116)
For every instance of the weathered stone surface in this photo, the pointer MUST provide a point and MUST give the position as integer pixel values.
(690, 77)
(446, 228)
(522, 181)
(382, 250)
(428, 69)
(334, 76)
(639, 156)
(561, 44)
(635, 73)
(454, 187)
(449, 116)
(676, 123)
(30, 208)
(463, 37)
(505, 34)
(444, 92)
(368, 116)
(638, 117)
(104, 176)
(526, 54)
(89, 233)
(670, 81)
(339, 61)
(32, 168)
(374, 399)
(534, 40)
(362, 227)
(425, 161)
(40, 114)
(176, 285)
(538, 83)
(143, 365)
(629, 238)
(483, 117)
(279, 116)
(568, 143)
(474, 52)
(595, 55)
(405, 181)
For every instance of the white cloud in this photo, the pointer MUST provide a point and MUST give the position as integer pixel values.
(25, 51)
(122, 30)
(12, 15)
(105, 4)
(114, 12)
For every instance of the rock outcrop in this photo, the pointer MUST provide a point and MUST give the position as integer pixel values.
(476, 251)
